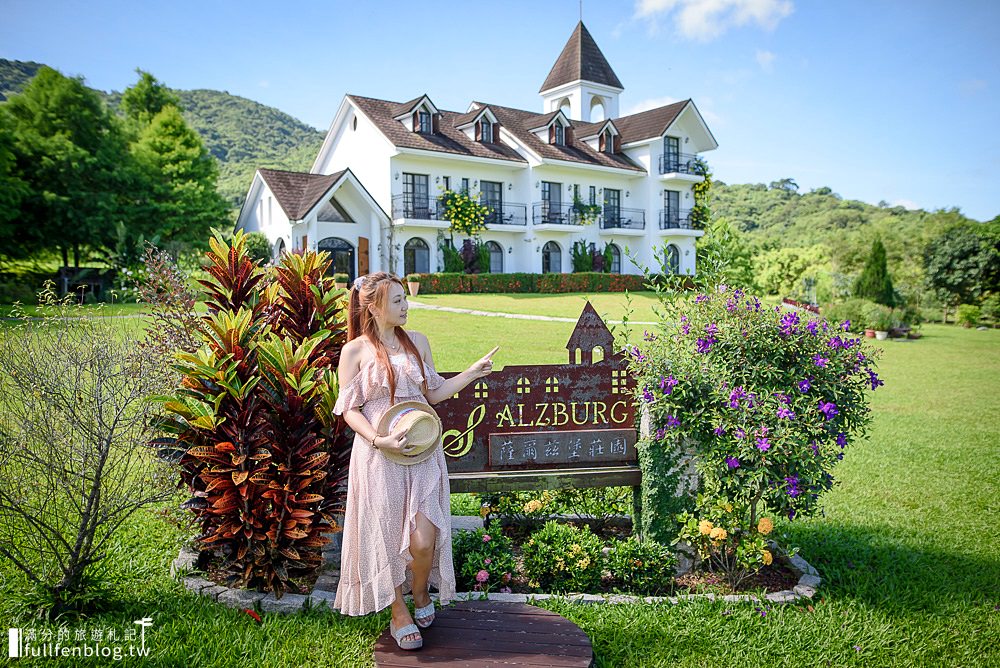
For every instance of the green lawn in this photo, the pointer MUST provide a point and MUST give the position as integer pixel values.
(611, 306)
(909, 546)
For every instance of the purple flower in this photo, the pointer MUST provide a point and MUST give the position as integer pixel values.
(835, 342)
(672, 422)
(873, 378)
(820, 361)
(731, 305)
(686, 328)
(700, 298)
(813, 327)
(740, 434)
(763, 444)
(719, 431)
(783, 398)
(647, 395)
(504, 590)
(722, 287)
(804, 385)
(793, 486)
(841, 439)
(789, 323)
(828, 409)
(637, 354)
(846, 325)
(704, 345)
(711, 329)
(815, 448)
(667, 384)
(660, 432)
(738, 294)
(785, 413)
(735, 396)
(732, 462)
(646, 336)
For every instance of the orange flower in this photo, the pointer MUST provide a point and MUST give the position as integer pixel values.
(765, 526)
(718, 533)
(705, 527)
(767, 558)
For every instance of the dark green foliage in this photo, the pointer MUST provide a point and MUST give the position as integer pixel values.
(874, 283)
(453, 263)
(146, 98)
(472, 549)
(582, 259)
(726, 247)
(645, 568)
(963, 263)
(562, 558)
(259, 249)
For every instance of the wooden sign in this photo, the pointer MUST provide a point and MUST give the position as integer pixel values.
(546, 426)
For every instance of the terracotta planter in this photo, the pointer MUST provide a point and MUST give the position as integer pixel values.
(343, 286)
(414, 287)
(870, 333)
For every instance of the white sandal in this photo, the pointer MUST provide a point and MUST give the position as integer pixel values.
(424, 616)
(409, 629)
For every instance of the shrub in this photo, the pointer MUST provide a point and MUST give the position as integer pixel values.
(484, 560)
(456, 283)
(991, 308)
(258, 445)
(340, 278)
(561, 557)
(582, 258)
(764, 401)
(595, 503)
(645, 567)
(453, 262)
(879, 317)
(258, 247)
(413, 278)
(968, 315)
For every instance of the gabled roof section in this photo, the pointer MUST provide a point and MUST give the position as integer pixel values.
(448, 139)
(581, 59)
(520, 123)
(467, 119)
(406, 108)
(541, 121)
(591, 130)
(297, 192)
(649, 124)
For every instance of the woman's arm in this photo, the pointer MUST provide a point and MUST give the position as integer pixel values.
(455, 384)
(350, 365)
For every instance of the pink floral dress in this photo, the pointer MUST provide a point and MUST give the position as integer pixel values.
(383, 498)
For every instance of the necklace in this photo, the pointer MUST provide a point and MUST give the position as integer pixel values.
(392, 346)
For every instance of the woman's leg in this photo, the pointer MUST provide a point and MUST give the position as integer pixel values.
(401, 615)
(422, 542)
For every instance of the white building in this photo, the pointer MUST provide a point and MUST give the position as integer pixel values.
(371, 195)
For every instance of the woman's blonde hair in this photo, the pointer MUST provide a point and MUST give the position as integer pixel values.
(373, 290)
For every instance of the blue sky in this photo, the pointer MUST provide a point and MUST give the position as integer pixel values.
(896, 101)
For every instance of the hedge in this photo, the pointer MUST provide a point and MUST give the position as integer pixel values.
(449, 283)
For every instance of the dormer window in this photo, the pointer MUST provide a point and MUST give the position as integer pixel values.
(609, 142)
(486, 131)
(425, 124)
(559, 135)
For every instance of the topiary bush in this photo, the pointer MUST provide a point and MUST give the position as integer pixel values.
(968, 315)
(562, 557)
(645, 568)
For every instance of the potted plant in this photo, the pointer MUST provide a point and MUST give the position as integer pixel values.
(882, 322)
(585, 213)
(340, 281)
(413, 283)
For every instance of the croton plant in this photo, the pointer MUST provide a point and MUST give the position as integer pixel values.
(259, 447)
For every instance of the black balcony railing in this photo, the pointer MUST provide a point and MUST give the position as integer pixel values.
(681, 163)
(506, 213)
(679, 220)
(623, 219)
(421, 208)
(544, 213)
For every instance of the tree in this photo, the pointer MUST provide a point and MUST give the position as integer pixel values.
(148, 97)
(70, 153)
(12, 188)
(962, 264)
(874, 283)
(179, 181)
(725, 247)
(788, 185)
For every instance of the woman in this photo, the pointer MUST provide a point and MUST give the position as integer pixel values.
(397, 529)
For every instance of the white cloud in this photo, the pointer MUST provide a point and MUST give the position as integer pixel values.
(766, 60)
(705, 20)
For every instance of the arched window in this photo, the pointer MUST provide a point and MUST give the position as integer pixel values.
(342, 253)
(565, 106)
(596, 109)
(279, 249)
(416, 257)
(616, 260)
(496, 257)
(672, 264)
(551, 258)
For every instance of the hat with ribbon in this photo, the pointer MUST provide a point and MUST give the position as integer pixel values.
(421, 425)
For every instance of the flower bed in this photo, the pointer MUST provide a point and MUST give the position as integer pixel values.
(451, 283)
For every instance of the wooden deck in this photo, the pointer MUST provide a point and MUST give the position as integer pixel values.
(486, 633)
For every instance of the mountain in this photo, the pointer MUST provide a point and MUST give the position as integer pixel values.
(242, 134)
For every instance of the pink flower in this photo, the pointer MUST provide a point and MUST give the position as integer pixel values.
(486, 538)
(487, 561)
(482, 576)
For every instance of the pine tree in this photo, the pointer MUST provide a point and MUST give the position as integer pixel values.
(874, 283)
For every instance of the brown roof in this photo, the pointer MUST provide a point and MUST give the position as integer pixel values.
(297, 192)
(519, 123)
(447, 140)
(581, 59)
(650, 123)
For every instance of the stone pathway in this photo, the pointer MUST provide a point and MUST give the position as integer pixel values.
(325, 589)
(516, 316)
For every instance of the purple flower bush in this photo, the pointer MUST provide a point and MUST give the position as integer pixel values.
(766, 400)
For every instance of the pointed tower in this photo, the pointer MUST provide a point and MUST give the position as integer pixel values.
(582, 82)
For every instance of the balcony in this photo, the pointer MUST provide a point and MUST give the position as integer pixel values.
(675, 220)
(559, 216)
(506, 213)
(419, 211)
(623, 219)
(686, 166)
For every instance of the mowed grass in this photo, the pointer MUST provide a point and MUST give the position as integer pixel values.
(908, 545)
(611, 306)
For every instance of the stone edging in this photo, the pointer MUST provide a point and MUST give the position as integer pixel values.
(325, 590)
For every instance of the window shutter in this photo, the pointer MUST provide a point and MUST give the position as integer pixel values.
(552, 133)
(617, 144)
(569, 136)
(416, 121)
(496, 133)
(479, 130)
(435, 123)
(602, 142)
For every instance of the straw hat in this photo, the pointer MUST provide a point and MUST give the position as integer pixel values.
(421, 425)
